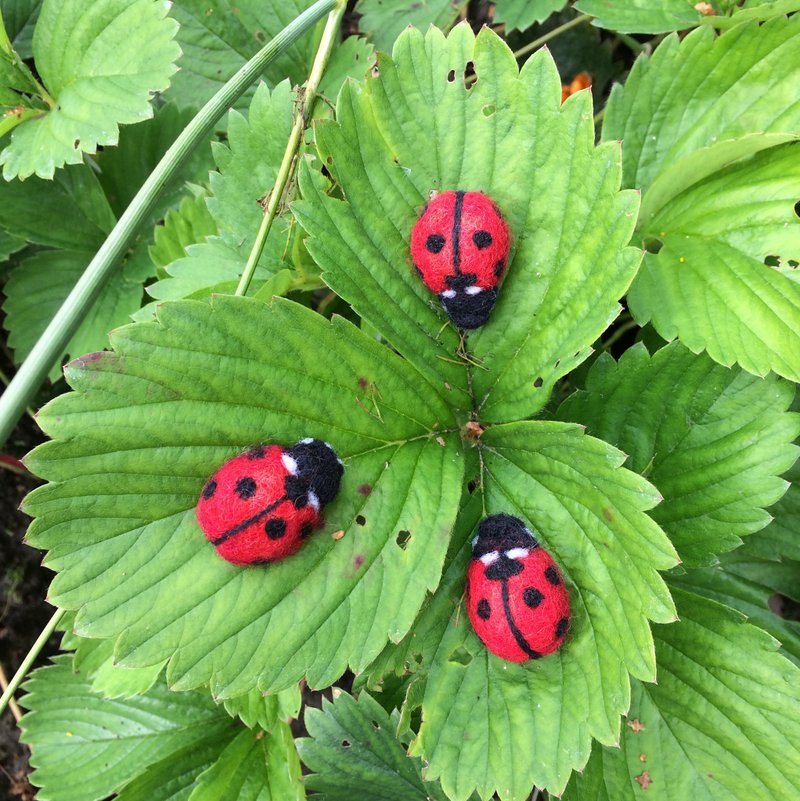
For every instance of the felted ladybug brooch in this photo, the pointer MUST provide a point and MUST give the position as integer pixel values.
(460, 249)
(262, 505)
(516, 598)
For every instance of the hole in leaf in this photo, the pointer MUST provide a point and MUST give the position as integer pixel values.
(471, 484)
(376, 725)
(772, 261)
(797, 208)
(361, 520)
(488, 110)
(451, 76)
(461, 656)
(402, 539)
(259, 36)
(537, 382)
(470, 77)
(653, 245)
(346, 743)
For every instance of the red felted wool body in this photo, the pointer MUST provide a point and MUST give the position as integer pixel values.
(516, 598)
(261, 506)
(460, 247)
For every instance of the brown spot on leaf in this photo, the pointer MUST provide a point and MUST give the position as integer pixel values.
(642, 757)
(644, 780)
(636, 726)
(473, 430)
(362, 382)
(358, 561)
(364, 489)
(337, 535)
(608, 514)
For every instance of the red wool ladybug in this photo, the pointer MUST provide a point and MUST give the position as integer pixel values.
(516, 598)
(261, 505)
(460, 249)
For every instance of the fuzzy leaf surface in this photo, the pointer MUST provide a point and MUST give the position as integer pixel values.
(85, 747)
(714, 441)
(490, 725)
(641, 16)
(175, 399)
(720, 725)
(353, 752)
(415, 126)
(101, 74)
(522, 14)
(384, 20)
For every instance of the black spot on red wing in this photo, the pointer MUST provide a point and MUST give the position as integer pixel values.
(551, 574)
(498, 268)
(306, 530)
(209, 490)
(246, 488)
(562, 626)
(482, 239)
(256, 453)
(532, 597)
(483, 609)
(275, 528)
(434, 243)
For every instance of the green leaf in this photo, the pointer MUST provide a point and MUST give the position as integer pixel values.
(256, 709)
(216, 37)
(642, 16)
(522, 14)
(384, 20)
(254, 768)
(186, 225)
(36, 289)
(100, 74)
(353, 753)
(19, 17)
(416, 127)
(712, 284)
(713, 440)
(490, 725)
(9, 244)
(668, 107)
(720, 725)
(134, 477)
(85, 747)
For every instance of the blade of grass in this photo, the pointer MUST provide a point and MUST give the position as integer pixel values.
(66, 321)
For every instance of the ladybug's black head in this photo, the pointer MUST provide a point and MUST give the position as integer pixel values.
(501, 533)
(466, 304)
(318, 468)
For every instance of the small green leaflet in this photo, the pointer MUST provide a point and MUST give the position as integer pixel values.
(216, 390)
(522, 14)
(256, 709)
(98, 75)
(415, 126)
(352, 752)
(384, 20)
(490, 725)
(714, 441)
(111, 741)
(19, 17)
(186, 225)
(642, 16)
(720, 725)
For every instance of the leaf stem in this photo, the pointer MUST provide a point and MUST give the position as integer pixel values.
(12, 704)
(30, 657)
(307, 97)
(632, 44)
(66, 321)
(537, 43)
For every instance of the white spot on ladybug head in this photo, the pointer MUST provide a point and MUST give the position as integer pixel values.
(473, 290)
(309, 440)
(449, 293)
(490, 558)
(474, 541)
(289, 463)
(517, 553)
(313, 500)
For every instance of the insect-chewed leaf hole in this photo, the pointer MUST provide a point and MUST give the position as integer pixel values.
(471, 485)
(451, 76)
(346, 743)
(538, 381)
(797, 208)
(403, 538)
(470, 76)
(489, 109)
(772, 261)
(361, 520)
(376, 725)
(653, 245)
(461, 656)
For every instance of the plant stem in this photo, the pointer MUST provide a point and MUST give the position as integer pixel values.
(12, 704)
(636, 47)
(30, 657)
(67, 319)
(536, 43)
(305, 106)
